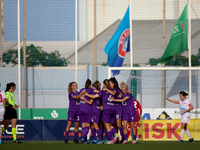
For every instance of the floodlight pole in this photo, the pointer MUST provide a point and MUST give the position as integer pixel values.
(19, 61)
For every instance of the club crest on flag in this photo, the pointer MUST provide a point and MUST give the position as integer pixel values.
(123, 43)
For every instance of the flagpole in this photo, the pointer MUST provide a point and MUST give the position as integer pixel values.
(130, 24)
(189, 49)
(76, 55)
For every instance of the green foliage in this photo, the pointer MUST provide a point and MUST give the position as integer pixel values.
(35, 56)
(178, 60)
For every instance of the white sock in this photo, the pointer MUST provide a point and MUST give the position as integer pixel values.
(182, 133)
(88, 135)
(188, 133)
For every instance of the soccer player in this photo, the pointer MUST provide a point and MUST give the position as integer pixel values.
(108, 107)
(96, 116)
(185, 108)
(10, 112)
(3, 100)
(115, 91)
(73, 113)
(138, 110)
(128, 111)
(85, 110)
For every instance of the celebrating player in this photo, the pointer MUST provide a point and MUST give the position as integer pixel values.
(73, 113)
(10, 112)
(96, 116)
(3, 100)
(85, 110)
(138, 110)
(128, 111)
(108, 107)
(115, 91)
(185, 108)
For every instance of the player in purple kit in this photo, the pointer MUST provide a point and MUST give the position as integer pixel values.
(73, 113)
(129, 113)
(96, 112)
(108, 107)
(85, 110)
(115, 91)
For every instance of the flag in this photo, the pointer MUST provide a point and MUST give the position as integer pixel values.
(119, 44)
(179, 38)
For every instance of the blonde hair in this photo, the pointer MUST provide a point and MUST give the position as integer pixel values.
(123, 85)
(70, 86)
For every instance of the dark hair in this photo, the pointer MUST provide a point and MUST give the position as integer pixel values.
(88, 83)
(70, 86)
(183, 93)
(113, 80)
(9, 85)
(96, 84)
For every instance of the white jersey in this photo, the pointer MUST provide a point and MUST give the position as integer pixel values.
(183, 105)
(2, 96)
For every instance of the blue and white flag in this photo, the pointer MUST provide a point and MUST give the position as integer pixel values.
(119, 44)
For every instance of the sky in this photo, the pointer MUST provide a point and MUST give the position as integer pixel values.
(46, 20)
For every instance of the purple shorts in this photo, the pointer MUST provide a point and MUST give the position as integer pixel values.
(73, 115)
(130, 116)
(109, 116)
(118, 111)
(85, 116)
(95, 117)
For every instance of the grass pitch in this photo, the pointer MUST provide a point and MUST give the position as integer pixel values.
(59, 145)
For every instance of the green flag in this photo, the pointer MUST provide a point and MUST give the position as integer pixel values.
(179, 38)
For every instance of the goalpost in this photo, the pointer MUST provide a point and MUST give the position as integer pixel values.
(150, 78)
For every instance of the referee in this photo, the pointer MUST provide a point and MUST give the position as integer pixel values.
(10, 112)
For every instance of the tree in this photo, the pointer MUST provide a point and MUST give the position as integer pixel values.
(178, 60)
(35, 56)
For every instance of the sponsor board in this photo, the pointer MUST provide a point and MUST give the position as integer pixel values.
(166, 130)
(166, 113)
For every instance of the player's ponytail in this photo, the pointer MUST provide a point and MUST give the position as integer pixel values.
(88, 83)
(107, 84)
(7, 87)
(70, 87)
(183, 93)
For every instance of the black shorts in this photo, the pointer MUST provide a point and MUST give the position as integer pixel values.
(10, 113)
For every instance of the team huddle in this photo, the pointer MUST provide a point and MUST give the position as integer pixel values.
(97, 109)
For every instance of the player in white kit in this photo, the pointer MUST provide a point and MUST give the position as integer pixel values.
(185, 106)
(2, 108)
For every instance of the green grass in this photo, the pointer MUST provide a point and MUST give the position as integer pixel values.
(59, 145)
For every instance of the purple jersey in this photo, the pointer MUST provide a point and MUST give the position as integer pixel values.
(117, 97)
(96, 103)
(107, 103)
(73, 103)
(128, 105)
(83, 104)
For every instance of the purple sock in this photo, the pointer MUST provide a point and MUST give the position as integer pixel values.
(86, 132)
(134, 137)
(121, 132)
(99, 134)
(109, 135)
(114, 131)
(93, 134)
(76, 135)
(83, 131)
(66, 134)
(125, 136)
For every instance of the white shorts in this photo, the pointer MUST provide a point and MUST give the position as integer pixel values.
(2, 111)
(185, 118)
